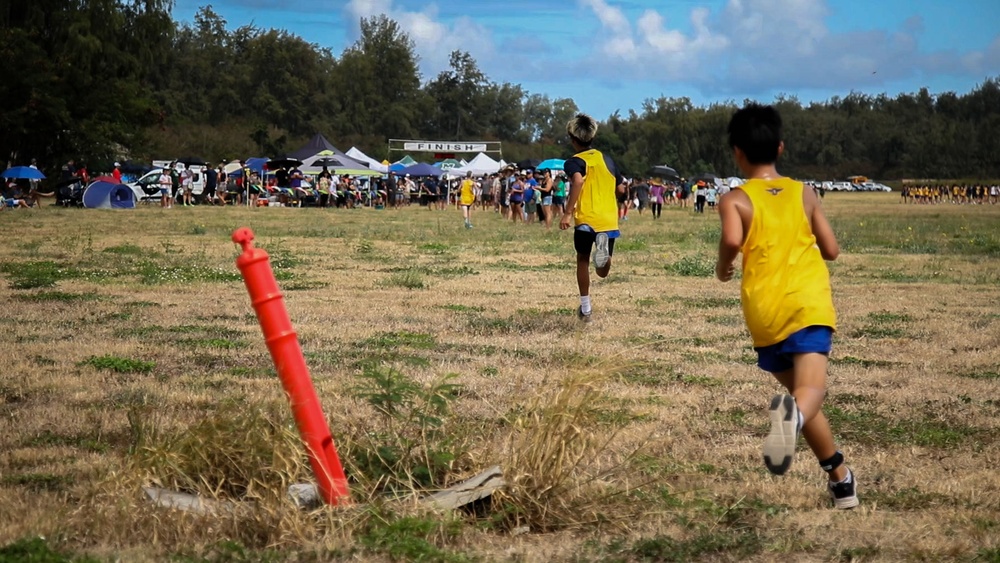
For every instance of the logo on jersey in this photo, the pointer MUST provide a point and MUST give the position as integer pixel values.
(774, 191)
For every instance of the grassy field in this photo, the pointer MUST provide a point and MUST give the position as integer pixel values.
(131, 356)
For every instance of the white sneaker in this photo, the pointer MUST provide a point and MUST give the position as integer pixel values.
(601, 253)
(779, 446)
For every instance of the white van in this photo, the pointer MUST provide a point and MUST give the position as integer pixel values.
(198, 182)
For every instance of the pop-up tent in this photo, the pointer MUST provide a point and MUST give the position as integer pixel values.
(479, 166)
(421, 169)
(375, 165)
(102, 194)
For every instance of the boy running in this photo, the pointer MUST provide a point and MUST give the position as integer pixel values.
(780, 228)
(594, 180)
(467, 199)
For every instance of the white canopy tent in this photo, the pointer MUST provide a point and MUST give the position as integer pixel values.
(375, 165)
(479, 166)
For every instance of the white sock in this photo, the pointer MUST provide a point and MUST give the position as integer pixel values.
(585, 304)
(845, 480)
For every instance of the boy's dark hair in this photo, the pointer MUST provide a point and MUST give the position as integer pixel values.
(756, 130)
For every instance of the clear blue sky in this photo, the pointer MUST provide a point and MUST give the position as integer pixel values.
(611, 55)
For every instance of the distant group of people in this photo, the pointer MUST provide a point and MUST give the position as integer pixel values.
(960, 194)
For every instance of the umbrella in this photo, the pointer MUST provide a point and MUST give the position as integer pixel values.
(282, 162)
(664, 171)
(328, 162)
(24, 173)
(192, 161)
(706, 177)
(551, 164)
(529, 164)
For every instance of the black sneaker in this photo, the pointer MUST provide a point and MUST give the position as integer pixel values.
(843, 493)
(585, 317)
(601, 252)
(779, 446)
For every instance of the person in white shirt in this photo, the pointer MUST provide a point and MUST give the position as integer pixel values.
(166, 184)
(187, 180)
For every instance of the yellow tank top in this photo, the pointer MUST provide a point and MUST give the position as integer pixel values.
(468, 196)
(597, 205)
(786, 285)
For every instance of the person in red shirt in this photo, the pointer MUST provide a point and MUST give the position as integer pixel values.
(117, 174)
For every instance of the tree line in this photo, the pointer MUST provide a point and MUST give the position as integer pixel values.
(102, 80)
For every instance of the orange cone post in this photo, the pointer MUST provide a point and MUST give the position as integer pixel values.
(283, 344)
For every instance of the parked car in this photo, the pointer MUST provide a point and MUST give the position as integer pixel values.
(842, 187)
(148, 186)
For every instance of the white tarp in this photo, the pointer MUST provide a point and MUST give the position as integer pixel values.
(480, 165)
(356, 154)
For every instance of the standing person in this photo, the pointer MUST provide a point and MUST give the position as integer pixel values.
(656, 199)
(780, 228)
(506, 184)
(642, 194)
(211, 183)
(559, 196)
(711, 195)
(516, 198)
(175, 182)
(623, 201)
(187, 179)
(699, 197)
(428, 193)
(467, 198)
(594, 182)
(117, 173)
(547, 188)
(166, 189)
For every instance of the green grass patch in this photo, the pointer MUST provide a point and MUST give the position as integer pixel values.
(37, 550)
(119, 365)
(710, 302)
(413, 538)
(883, 324)
(36, 274)
(852, 361)
(458, 308)
(60, 296)
(127, 250)
(37, 482)
(988, 374)
(695, 266)
(214, 343)
(407, 279)
(864, 426)
(394, 340)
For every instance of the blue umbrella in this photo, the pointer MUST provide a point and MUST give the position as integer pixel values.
(551, 164)
(23, 172)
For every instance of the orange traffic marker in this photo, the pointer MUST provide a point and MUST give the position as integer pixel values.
(283, 344)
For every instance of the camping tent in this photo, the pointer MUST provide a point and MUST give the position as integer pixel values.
(406, 161)
(108, 195)
(480, 165)
(356, 154)
(318, 144)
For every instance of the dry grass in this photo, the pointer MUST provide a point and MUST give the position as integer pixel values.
(131, 356)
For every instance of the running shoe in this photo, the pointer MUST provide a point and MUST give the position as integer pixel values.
(779, 446)
(601, 253)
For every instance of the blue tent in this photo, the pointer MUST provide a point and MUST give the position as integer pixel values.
(108, 195)
(397, 167)
(421, 169)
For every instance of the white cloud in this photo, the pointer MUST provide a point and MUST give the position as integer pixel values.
(433, 39)
(754, 46)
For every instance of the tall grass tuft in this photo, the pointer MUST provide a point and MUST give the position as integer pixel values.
(560, 468)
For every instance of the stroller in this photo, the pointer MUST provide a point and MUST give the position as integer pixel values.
(69, 192)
